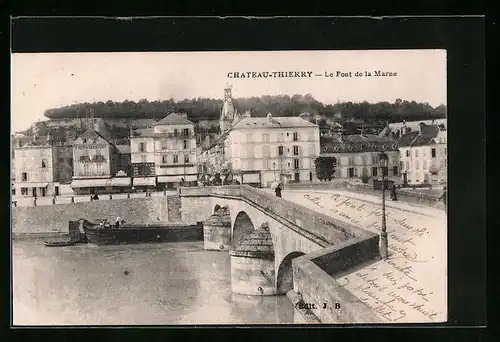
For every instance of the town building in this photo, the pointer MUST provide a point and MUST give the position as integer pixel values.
(358, 155)
(35, 171)
(142, 156)
(175, 151)
(424, 155)
(267, 149)
(96, 166)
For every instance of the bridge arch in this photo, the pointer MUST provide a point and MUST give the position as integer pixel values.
(243, 226)
(217, 207)
(284, 279)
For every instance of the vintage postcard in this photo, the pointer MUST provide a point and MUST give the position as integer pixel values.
(190, 188)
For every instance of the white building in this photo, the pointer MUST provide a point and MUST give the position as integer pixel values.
(358, 155)
(142, 158)
(165, 155)
(264, 150)
(423, 154)
(35, 171)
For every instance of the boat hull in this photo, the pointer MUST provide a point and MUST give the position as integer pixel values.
(143, 234)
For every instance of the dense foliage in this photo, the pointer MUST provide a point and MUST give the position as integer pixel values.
(325, 167)
(280, 105)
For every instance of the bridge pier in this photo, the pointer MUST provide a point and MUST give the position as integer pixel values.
(252, 264)
(217, 231)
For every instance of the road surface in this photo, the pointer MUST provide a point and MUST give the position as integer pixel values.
(410, 286)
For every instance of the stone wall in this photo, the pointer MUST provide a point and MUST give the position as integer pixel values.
(42, 219)
(174, 208)
(316, 286)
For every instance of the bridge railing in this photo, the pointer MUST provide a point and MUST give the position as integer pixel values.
(318, 224)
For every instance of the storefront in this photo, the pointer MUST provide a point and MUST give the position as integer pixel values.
(121, 184)
(141, 184)
(35, 189)
(92, 186)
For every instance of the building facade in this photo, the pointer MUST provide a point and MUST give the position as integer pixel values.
(35, 171)
(264, 150)
(142, 157)
(174, 151)
(424, 155)
(95, 163)
(358, 155)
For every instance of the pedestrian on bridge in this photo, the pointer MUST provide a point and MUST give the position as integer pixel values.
(277, 190)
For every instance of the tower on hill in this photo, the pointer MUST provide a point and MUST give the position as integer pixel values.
(228, 112)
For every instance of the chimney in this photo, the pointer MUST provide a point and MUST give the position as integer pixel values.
(421, 126)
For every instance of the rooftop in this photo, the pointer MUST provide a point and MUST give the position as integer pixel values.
(419, 138)
(273, 122)
(174, 119)
(356, 143)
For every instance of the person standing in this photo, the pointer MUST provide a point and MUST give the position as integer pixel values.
(277, 190)
(394, 197)
(118, 222)
(444, 198)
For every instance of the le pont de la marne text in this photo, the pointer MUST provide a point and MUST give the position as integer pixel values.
(307, 74)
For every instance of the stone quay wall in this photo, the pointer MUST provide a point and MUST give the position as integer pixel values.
(404, 195)
(45, 219)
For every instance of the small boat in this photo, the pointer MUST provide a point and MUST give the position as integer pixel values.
(76, 235)
(59, 243)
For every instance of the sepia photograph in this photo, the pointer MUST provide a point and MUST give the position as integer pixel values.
(229, 187)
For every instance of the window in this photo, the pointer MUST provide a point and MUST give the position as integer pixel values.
(143, 158)
(295, 136)
(374, 171)
(24, 177)
(349, 161)
(395, 170)
(417, 164)
(85, 169)
(176, 133)
(295, 163)
(84, 140)
(295, 150)
(424, 164)
(365, 171)
(280, 150)
(99, 168)
(176, 158)
(374, 159)
(266, 151)
(265, 137)
(416, 153)
(445, 151)
(407, 153)
(24, 191)
(164, 158)
(142, 147)
(433, 153)
(424, 153)
(407, 164)
(164, 144)
(184, 144)
(351, 172)
(185, 132)
(186, 158)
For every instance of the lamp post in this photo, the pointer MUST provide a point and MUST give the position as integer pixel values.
(274, 171)
(383, 162)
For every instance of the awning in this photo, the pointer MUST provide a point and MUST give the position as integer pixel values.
(191, 178)
(32, 185)
(144, 181)
(90, 183)
(170, 179)
(121, 181)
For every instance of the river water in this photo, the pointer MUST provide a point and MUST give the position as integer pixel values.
(145, 284)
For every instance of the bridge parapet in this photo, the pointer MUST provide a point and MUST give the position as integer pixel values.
(320, 225)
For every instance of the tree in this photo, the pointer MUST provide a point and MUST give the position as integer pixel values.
(325, 167)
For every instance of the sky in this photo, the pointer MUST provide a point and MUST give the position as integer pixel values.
(49, 80)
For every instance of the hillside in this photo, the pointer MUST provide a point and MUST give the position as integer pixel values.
(281, 105)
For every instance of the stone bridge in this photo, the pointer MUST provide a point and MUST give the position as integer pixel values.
(279, 247)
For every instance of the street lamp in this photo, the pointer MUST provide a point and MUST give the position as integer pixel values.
(274, 171)
(383, 162)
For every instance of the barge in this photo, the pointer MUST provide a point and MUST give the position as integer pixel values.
(129, 233)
